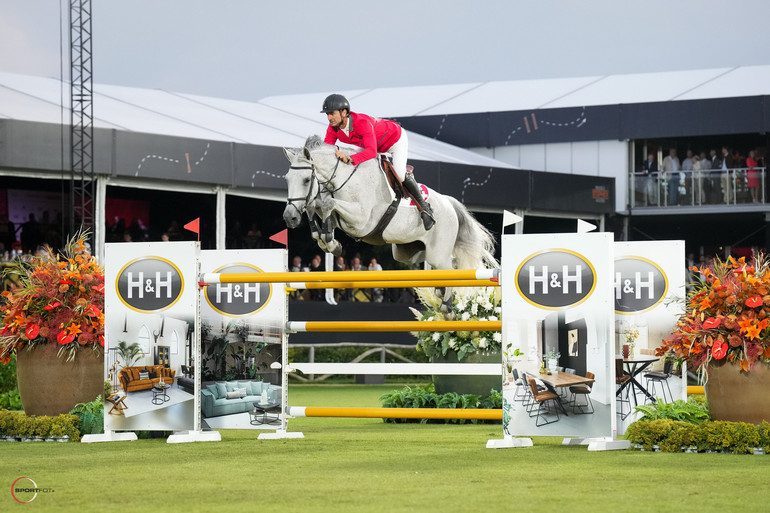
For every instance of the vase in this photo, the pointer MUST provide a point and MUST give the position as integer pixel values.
(738, 396)
(478, 385)
(49, 385)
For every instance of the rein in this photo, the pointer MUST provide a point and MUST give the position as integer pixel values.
(325, 185)
(313, 177)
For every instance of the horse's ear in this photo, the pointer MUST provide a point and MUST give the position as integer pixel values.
(307, 154)
(291, 153)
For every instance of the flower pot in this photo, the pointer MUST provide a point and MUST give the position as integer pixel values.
(479, 385)
(738, 396)
(49, 385)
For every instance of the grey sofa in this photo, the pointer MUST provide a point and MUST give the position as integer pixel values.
(214, 401)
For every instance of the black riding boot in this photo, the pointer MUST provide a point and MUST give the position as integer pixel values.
(427, 213)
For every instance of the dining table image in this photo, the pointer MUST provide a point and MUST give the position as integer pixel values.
(633, 366)
(562, 379)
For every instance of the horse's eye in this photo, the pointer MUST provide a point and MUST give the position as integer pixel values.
(306, 181)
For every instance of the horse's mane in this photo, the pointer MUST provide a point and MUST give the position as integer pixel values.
(313, 142)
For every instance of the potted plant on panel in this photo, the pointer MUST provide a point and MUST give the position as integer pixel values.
(552, 357)
(724, 336)
(53, 321)
(468, 304)
(130, 353)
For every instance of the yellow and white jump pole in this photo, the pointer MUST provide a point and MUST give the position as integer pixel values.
(352, 276)
(395, 413)
(392, 326)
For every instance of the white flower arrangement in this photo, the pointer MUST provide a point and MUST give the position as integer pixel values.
(469, 304)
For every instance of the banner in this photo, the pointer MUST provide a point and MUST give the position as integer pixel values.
(242, 326)
(649, 297)
(151, 302)
(557, 305)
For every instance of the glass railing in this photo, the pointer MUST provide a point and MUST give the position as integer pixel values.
(701, 187)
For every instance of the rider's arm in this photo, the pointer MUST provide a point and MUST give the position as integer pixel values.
(331, 135)
(365, 130)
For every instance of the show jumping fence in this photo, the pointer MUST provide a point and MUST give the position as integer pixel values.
(382, 279)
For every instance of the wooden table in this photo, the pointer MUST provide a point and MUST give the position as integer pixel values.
(562, 379)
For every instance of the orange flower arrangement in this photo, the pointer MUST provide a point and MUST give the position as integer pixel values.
(59, 299)
(727, 316)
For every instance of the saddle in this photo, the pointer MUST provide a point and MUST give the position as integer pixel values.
(400, 192)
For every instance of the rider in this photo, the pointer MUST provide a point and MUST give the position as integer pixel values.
(375, 136)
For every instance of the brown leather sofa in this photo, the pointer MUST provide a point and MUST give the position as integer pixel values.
(130, 382)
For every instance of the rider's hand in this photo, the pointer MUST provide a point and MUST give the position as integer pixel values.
(342, 156)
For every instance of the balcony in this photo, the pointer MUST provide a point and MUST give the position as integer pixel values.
(712, 190)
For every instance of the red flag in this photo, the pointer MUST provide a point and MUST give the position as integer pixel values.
(281, 237)
(195, 227)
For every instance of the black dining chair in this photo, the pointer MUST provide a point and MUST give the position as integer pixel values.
(521, 386)
(540, 398)
(582, 390)
(661, 378)
(621, 378)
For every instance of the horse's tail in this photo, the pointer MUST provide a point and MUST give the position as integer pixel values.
(475, 245)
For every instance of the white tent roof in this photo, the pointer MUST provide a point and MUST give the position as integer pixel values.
(545, 93)
(161, 112)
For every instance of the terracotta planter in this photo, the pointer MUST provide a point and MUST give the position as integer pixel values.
(738, 396)
(49, 385)
(479, 385)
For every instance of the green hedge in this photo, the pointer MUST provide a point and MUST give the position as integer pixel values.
(718, 435)
(18, 424)
(426, 397)
(8, 376)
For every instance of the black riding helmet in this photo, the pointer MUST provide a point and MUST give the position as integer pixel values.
(335, 102)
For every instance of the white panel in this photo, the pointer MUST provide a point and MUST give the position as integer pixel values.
(510, 95)
(533, 157)
(743, 81)
(509, 154)
(637, 88)
(558, 157)
(613, 161)
(585, 158)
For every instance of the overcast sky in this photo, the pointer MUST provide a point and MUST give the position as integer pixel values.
(250, 49)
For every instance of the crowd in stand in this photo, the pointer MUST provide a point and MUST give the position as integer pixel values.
(719, 177)
(378, 295)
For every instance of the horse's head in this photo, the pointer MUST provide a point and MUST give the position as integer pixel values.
(307, 177)
(301, 184)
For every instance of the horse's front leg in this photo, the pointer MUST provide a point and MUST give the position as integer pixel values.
(322, 230)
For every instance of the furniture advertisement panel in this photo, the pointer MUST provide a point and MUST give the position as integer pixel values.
(242, 334)
(558, 313)
(151, 301)
(649, 297)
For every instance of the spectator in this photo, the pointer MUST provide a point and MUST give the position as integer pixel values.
(752, 176)
(671, 174)
(296, 264)
(30, 237)
(339, 264)
(697, 180)
(355, 264)
(377, 293)
(726, 179)
(316, 265)
(686, 174)
(714, 163)
(650, 172)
